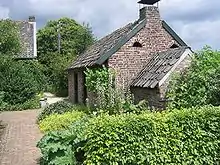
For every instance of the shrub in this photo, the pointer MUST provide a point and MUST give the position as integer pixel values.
(2, 103)
(18, 81)
(188, 136)
(30, 104)
(63, 147)
(199, 86)
(58, 122)
(56, 108)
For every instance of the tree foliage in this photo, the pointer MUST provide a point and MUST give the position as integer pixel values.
(74, 39)
(200, 84)
(9, 38)
(20, 81)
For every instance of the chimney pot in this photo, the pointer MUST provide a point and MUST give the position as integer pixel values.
(31, 18)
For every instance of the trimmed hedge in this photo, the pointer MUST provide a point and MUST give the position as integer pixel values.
(30, 104)
(59, 122)
(188, 136)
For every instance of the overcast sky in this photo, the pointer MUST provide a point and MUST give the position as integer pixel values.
(196, 21)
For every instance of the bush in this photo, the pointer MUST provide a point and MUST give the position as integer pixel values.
(60, 107)
(56, 108)
(199, 86)
(30, 104)
(58, 122)
(63, 147)
(19, 81)
(188, 136)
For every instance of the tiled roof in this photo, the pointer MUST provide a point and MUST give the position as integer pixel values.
(158, 67)
(103, 47)
(99, 52)
(28, 39)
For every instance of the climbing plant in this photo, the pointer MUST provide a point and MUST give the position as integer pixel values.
(97, 78)
(109, 97)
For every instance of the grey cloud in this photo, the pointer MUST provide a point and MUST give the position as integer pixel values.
(196, 21)
(4, 12)
(200, 10)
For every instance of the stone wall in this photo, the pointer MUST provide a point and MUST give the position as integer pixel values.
(152, 96)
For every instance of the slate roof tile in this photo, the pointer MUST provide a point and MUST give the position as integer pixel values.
(158, 66)
(102, 46)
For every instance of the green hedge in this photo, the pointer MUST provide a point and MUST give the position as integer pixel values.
(20, 81)
(188, 136)
(59, 121)
(30, 104)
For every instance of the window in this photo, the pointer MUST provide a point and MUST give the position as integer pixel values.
(174, 46)
(137, 44)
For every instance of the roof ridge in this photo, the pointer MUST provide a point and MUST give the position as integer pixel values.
(173, 33)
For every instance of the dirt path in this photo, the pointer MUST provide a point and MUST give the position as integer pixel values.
(18, 144)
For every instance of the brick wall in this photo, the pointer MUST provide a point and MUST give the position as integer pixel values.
(129, 60)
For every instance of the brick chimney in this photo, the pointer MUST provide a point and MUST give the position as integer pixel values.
(151, 13)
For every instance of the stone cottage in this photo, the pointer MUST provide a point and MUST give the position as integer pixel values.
(144, 54)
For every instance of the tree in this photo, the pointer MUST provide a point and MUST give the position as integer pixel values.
(74, 40)
(9, 38)
(200, 85)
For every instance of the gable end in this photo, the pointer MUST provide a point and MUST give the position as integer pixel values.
(123, 41)
(173, 34)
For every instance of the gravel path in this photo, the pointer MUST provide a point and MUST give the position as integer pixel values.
(18, 144)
